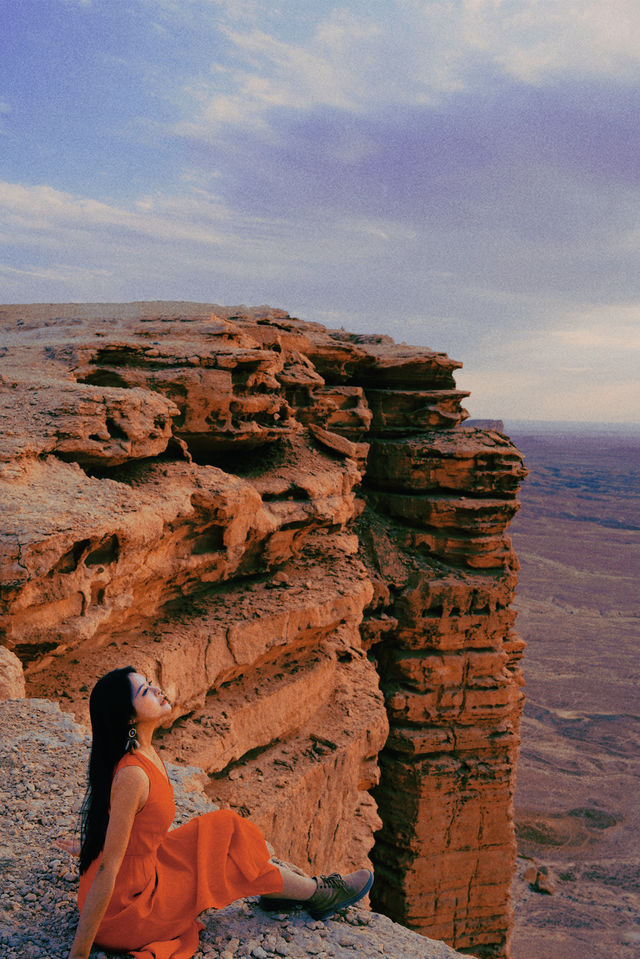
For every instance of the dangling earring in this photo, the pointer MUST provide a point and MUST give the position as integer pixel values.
(132, 740)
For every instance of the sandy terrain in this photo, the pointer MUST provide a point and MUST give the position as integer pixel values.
(577, 811)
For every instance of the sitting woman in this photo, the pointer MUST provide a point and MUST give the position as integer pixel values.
(141, 886)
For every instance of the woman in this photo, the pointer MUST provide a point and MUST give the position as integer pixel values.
(141, 886)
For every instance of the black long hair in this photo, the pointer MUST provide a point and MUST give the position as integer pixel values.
(111, 709)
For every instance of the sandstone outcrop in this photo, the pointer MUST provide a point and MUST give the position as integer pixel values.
(292, 530)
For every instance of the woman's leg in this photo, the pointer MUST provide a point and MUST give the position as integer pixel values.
(295, 886)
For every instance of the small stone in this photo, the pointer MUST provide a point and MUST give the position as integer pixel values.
(347, 941)
(545, 882)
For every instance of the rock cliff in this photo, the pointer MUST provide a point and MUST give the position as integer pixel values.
(290, 529)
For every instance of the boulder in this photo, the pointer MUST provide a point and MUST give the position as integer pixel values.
(11, 675)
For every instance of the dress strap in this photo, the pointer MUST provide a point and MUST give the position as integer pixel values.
(133, 759)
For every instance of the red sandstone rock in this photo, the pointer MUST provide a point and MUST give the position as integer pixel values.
(342, 408)
(94, 427)
(449, 665)
(377, 361)
(250, 581)
(340, 444)
(540, 879)
(412, 411)
(545, 882)
(463, 460)
(11, 675)
(227, 395)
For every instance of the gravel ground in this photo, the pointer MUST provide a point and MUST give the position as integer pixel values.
(43, 759)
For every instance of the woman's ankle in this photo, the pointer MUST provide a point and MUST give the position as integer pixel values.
(294, 886)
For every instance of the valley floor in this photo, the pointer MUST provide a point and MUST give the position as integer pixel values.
(578, 540)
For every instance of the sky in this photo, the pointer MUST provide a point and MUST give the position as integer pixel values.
(460, 174)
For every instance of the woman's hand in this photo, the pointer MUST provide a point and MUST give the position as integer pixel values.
(68, 844)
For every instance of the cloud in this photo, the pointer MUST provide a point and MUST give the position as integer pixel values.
(52, 274)
(189, 242)
(409, 53)
(521, 352)
(611, 329)
(273, 74)
(538, 40)
(540, 383)
(33, 213)
(462, 174)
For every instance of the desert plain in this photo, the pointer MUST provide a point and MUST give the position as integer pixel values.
(577, 537)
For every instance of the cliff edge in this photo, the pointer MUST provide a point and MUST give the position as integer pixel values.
(291, 529)
(43, 757)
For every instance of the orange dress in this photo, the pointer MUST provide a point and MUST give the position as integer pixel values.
(167, 878)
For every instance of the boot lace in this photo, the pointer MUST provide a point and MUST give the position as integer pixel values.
(335, 880)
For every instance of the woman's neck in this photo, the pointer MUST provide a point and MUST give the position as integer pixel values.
(145, 735)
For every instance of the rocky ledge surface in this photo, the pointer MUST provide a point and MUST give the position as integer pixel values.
(43, 757)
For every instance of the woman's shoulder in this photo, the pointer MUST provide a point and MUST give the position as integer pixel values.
(130, 779)
(130, 762)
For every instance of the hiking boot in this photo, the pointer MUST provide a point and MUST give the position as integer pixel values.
(336, 892)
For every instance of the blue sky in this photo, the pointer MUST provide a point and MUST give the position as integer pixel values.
(461, 175)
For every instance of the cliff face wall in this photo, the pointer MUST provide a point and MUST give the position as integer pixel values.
(290, 529)
(442, 631)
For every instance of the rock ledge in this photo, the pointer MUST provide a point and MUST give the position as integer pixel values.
(43, 756)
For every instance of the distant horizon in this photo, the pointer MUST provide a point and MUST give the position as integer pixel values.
(584, 426)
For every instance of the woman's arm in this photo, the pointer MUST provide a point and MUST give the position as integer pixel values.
(128, 795)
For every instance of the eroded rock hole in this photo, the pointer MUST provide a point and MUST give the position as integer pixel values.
(294, 493)
(68, 563)
(30, 652)
(177, 393)
(247, 459)
(105, 553)
(115, 430)
(121, 356)
(105, 378)
(210, 540)
(97, 595)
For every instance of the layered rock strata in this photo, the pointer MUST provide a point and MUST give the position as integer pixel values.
(442, 630)
(289, 528)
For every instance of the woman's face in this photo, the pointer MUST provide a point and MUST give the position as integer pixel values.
(148, 700)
